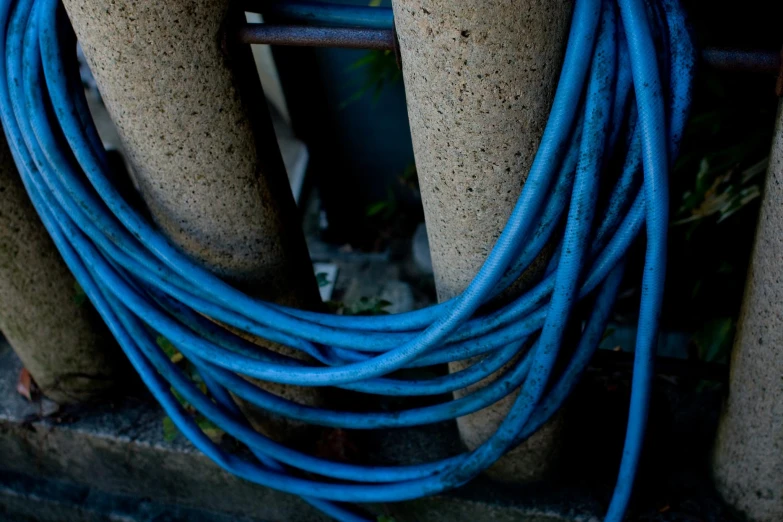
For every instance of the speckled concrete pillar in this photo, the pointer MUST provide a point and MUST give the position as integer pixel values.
(748, 458)
(480, 76)
(56, 333)
(215, 186)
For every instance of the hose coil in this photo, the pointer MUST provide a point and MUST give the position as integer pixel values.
(624, 92)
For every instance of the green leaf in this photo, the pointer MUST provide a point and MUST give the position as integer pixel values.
(367, 59)
(385, 518)
(166, 346)
(209, 428)
(720, 191)
(335, 307)
(367, 306)
(79, 296)
(170, 430)
(377, 208)
(179, 397)
(373, 72)
(714, 340)
(608, 333)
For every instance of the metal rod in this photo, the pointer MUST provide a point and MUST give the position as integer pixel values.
(742, 60)
(331, 15)
(303, 36)
(755, 61)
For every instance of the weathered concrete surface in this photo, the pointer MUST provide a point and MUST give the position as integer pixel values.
(748, 459)
(480, 77)
(119, 450)
(116, 461)
(58, 335)
(162, 71)
(35, 499)
(217, 189)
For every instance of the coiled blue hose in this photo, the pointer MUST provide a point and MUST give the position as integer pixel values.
(610, 97)
(325, 14)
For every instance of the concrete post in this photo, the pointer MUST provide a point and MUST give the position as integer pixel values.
(56, 333)
(480, 77)
(748, 458)
(210, 174)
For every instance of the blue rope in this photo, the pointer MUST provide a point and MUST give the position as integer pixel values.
(611, 96)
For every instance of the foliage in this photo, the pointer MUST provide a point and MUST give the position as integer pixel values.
(721, 192)
(379, 69)
(79, 296)
(713, 341)
(400, 212)
(408, 185)
(364, 306)
(170, 431)
(386, 208)
(716, 187)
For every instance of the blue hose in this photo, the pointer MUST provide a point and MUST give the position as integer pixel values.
(611, 96)
(324, 14)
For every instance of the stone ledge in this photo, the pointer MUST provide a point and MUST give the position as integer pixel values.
(23, 498)
(117, 451)
(110, 462)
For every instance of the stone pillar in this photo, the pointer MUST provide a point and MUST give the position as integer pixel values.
(480, 76)
(46, 318)
(748, 457)
(205, 159)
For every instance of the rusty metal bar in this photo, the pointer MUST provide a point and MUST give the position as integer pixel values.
(752, 61)
(315, 13)
(304, 36)
(742, 60)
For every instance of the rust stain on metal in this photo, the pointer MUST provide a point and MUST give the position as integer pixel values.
(739, 60)
(305, 36)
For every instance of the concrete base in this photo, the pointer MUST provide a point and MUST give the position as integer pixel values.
(26, 499)
(111, 462)
(120, 449)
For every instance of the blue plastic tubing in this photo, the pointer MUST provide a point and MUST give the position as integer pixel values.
(623, 94)
(319, 13)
